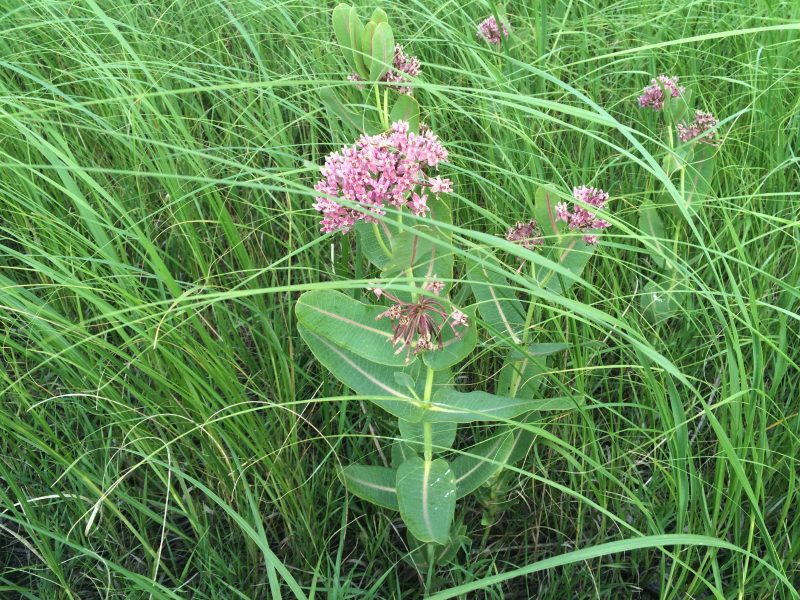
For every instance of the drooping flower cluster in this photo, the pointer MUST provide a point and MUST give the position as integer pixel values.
(379, 170)
(699, 128)
(528, 235)
(653, 95)
(417, 326)
(580, 218)
(489, 30)
(404, 68)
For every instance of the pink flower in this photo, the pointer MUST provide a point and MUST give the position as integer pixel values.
(653, 94)
(441, 186)
(699, 128)
(489, 30)
(459, 318)
(379, 170)
(526, 235)
(435, 286)
(419, 325)
(581, 219)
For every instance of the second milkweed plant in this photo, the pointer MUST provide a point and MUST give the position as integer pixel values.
(400, 343)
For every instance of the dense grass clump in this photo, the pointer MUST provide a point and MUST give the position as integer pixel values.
(167, 434)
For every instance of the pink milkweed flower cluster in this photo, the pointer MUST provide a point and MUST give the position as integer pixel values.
(404, 68)
(528, 235)
(379, 170)
(699, 128)
(653, 95)
(581, 219)
(489, 30)
(418, 325)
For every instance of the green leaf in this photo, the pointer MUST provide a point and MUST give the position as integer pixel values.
(676, 109)
(337, 109)
(341, 28)
(382, 51)
(443, 435)
(349, 324)
(379, 16)
(401, 452)
(529, 377)
(455, 348)
(468, 407)
(356, 30)
(664, 297)
(415, 249)
(366, 44)
(405, 380)
(698, 176)
(477, 465)
(500, 309)
(443, 554)
(653, 227)
(523, 372)
(544, 211)
(572, 253)
(370, 246)
(374, 484)
(426, 494)
(406, 109)
(366, 378)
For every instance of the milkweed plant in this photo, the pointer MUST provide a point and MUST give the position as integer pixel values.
(400, 343)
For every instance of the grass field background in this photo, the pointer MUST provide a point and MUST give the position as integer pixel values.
(167, 434)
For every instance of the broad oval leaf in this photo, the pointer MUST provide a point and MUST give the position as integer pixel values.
(544, 211)
(522, 377)
(698, 176)
(426, 495)
(664, 298)
(414, 249)
(382, 51)
(406, 109)
(374, 484)
(500, 309)
(366, 378)
(341, 29)
(653, 227)
(468, 407)
(455, 348)
(337, 109)
(478, 464)
(401, 452)
(349, 324)
(571, 253)
(371, 247)
(443, 434)
(366, 44)
(379, 16)
(356, 31)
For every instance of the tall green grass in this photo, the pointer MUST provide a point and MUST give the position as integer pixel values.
(166, 434)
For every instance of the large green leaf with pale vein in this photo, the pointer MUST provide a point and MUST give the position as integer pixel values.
(467, 407)
(426, 494)
(350, 324)
(341, 28)
(374, 484)
(443, 434)
(697, 186)
(653, 227)
(500, 309)
(571, 253)
(382, 51)
(479, 463)
(366, 378)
